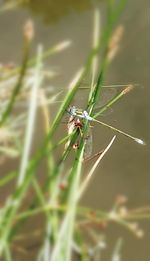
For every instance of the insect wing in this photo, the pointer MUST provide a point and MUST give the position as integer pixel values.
(88, 144)
(106, 95)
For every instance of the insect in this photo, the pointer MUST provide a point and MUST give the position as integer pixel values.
(76, 122)
(84, 115)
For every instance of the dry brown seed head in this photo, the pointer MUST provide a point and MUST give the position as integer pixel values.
(28, 30)
(123, 212)
(134, 226)
(114, 42)
(128, 89)
(116, 37)
(121, 199)
(139, 233)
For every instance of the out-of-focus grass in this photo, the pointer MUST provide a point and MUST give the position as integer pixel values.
(58, 199)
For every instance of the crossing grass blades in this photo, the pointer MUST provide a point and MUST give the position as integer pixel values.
(56, 200)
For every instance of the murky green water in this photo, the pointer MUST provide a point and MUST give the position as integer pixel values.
(126, 168)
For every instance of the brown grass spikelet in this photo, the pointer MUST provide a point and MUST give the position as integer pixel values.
(128, 89)
(28, 30)
(115, 41)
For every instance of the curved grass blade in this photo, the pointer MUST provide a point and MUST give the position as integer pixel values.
(90, 174)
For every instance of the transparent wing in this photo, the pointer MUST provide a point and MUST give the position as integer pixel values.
(88, 144)
(106, 95)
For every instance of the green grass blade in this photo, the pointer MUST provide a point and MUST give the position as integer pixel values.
(31, 118)
(19, 83)
(62, 250)
(14, 202)
(8, 178)
(114, 100)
